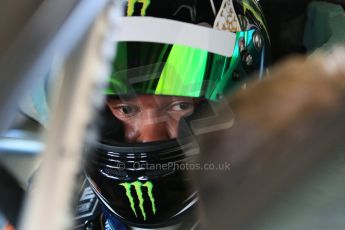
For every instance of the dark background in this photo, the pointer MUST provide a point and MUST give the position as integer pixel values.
(286, 20)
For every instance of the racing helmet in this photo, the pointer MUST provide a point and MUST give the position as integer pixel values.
(191, 49)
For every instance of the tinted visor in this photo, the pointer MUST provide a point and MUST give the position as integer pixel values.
(164, 69)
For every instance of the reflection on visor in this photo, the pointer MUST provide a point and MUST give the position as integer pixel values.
(161, 69)
(183, 73)
(175, 70)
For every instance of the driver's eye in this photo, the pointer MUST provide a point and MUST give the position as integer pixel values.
(182, 106)
(127, 110)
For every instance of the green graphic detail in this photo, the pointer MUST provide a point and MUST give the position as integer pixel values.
(131, 4)
(127, 186)
(183, 61)
(138, 189)
(256, 11)
(137, 186)
(149, 186)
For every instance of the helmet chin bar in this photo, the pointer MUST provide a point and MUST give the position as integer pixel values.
(179, 217)
(144, 197)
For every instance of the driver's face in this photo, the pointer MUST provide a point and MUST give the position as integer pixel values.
(150, 118)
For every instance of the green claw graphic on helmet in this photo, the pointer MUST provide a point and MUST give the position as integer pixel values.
(131, 4)
(138, 189)
(254, 9)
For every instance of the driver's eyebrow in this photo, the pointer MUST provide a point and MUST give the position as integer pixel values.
(122, 98)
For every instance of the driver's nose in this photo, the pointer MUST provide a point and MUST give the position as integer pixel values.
(154, 132)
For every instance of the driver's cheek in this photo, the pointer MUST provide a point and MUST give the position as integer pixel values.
(152, 127)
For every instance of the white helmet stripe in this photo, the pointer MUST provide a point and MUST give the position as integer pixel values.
(151, 29)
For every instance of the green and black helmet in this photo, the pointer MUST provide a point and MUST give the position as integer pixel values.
(197, 49)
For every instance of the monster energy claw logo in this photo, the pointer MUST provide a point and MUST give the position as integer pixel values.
(131, 3)
(138, 189)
